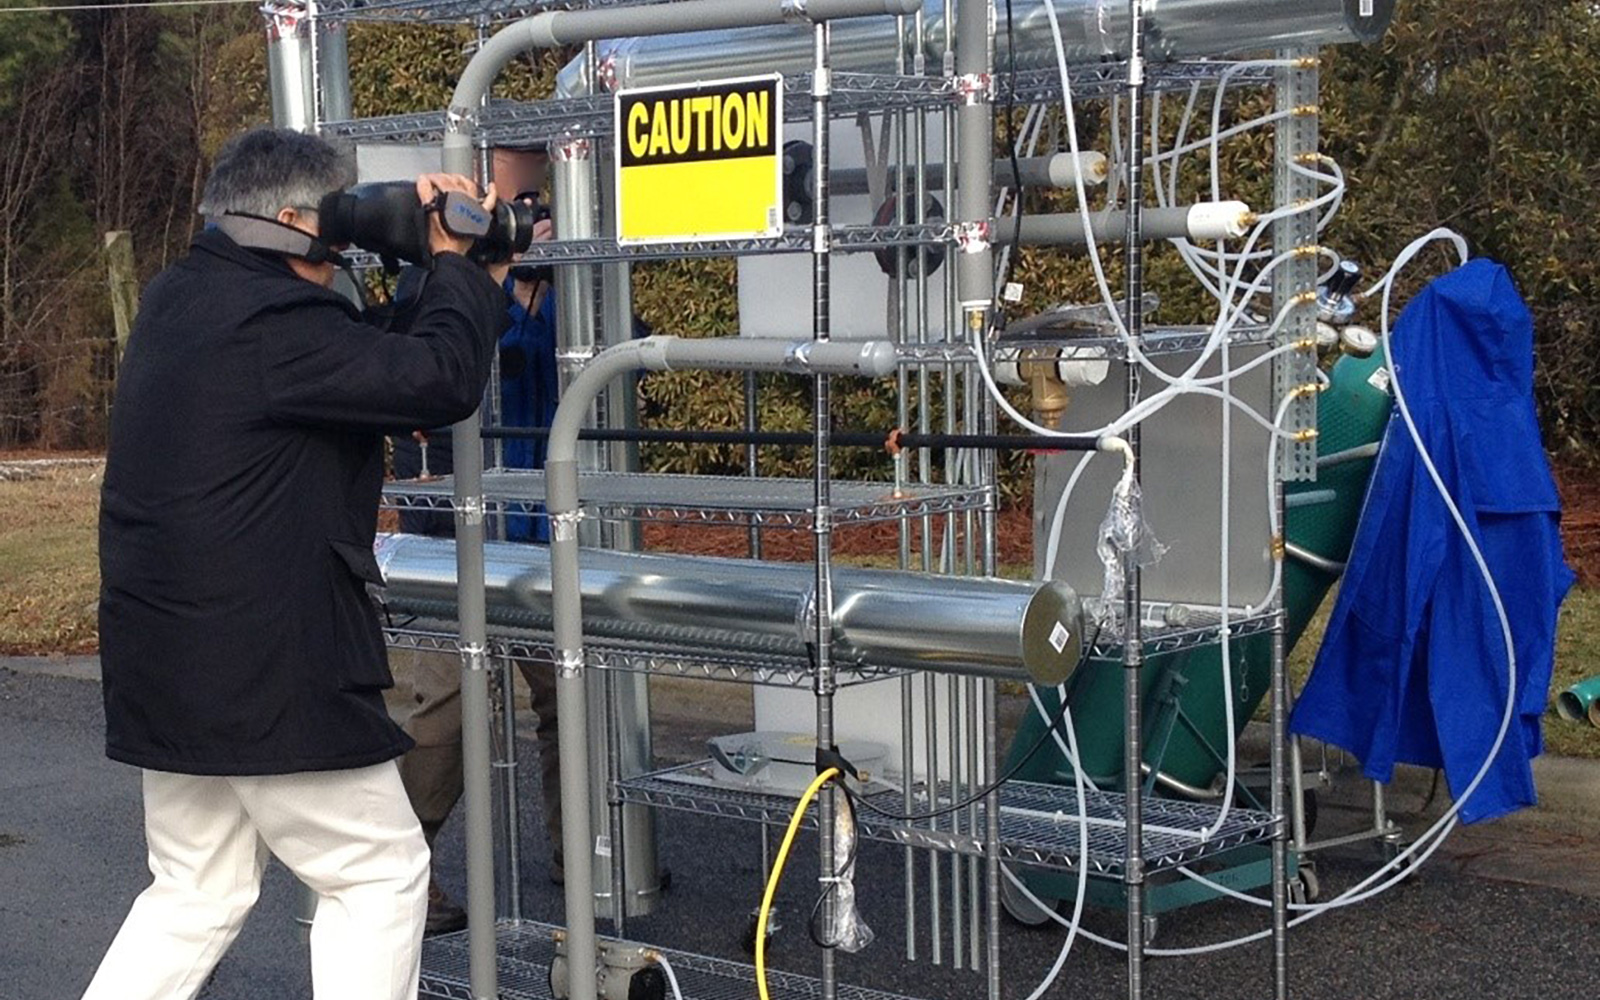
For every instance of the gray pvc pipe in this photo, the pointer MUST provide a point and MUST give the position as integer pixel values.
(561, 500)
(1092, 31)
(568, 27)
(1066, 228)
(974, 155)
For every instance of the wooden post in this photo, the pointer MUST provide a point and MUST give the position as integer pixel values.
(124, 285)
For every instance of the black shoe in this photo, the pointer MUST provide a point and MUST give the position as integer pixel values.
(444, 915)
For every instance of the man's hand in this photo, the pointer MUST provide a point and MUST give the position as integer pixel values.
(441, 240)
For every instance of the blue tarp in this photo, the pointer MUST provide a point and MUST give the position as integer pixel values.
(1413, 667)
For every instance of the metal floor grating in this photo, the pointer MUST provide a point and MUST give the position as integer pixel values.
(525, 950)
(1038, 822)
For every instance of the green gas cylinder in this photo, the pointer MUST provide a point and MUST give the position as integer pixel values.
(1186, 733)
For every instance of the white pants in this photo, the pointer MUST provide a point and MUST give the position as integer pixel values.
(349, 835)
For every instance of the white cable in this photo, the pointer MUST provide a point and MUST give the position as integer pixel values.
(1083, 855)
(672, 979)
(1434, 837)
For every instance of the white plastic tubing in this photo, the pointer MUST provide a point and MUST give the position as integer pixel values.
(1225, 279)
(1391, 873)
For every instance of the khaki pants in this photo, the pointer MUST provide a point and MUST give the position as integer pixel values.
(426, 702)
(347, 834)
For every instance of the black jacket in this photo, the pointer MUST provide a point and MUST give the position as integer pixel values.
(240, 500)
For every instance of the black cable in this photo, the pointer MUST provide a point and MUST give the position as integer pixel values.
(1012, 772)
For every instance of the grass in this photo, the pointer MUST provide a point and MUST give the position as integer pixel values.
(49, 582)
(49, 573)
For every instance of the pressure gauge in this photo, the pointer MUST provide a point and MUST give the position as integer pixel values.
(1358, 341)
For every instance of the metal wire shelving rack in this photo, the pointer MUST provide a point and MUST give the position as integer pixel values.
(1027, 824)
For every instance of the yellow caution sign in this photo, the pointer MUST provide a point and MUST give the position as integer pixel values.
(700, 162)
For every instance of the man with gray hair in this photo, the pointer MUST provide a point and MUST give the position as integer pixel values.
(243, 663)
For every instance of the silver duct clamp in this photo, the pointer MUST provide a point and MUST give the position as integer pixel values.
(571, 149)
(793, 11)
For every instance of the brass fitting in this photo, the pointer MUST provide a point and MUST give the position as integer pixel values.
(1308, 434)
(1307, 62)
(1050, 397)
(1309, 250)
(1307, 389)
(1305, 298)
(1308, 344)
(1305, 110)
(1279, 549)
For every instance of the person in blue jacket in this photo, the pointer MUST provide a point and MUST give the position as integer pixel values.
(427, 697)
(1414, 666)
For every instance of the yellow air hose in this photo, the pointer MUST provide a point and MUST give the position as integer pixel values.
(777, 875)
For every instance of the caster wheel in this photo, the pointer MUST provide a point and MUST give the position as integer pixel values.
(1407, 868)
(1305, 887)
(747, 940)
(1020, 908)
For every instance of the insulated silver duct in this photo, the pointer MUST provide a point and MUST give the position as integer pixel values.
(1091, 31)
(882, 618)
(304, 69)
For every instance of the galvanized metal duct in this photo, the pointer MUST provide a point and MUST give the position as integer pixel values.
(978, 627)
(1091, 30)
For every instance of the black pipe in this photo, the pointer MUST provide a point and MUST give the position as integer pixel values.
(889, 441)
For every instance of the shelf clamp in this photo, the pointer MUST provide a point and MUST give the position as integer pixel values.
(793, 11)
(975, 88)
(569, 663)
(470, 510)
(971, 237)
(458, 119)
(474, 657)
(564, 526)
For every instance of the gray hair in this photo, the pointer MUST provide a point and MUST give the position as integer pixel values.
(265, 170)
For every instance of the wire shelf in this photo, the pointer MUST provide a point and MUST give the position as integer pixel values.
(1169, 627)
(563, 118)
(455, 11)
(724, 500)
(1038, 822)
(1102, 80)
(536, 648)
(846, 239)
(525, 949)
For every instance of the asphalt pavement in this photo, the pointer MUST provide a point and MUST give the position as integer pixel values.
(71, 860)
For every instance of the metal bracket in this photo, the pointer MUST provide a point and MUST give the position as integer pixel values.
(821, 239)
(793, 11)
